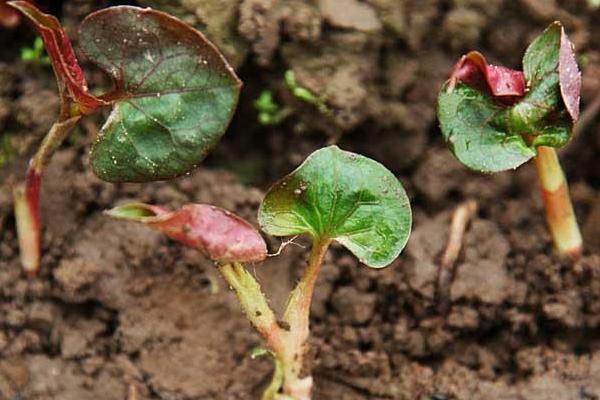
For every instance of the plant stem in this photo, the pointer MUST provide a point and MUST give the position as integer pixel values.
(257, 310)
(288, 344)
(27, 196)
(559, 209)
(297, 316)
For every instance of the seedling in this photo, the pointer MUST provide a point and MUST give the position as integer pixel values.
(333, 196)
(35, 55)
(173, 97)
(304, 94)
(269, 112)
(495, 118)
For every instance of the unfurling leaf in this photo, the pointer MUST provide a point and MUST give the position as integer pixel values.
(174, 94)
(217, 233)
(71, 81)
(342, 196)
(474, 70)
(570, 76)
(488, 133)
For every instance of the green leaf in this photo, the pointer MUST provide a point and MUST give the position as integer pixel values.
(466, 118)
(541, 57)
(342, 196)
(540, 66)
(174, 94)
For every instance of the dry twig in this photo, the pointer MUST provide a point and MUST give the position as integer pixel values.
(460, 219)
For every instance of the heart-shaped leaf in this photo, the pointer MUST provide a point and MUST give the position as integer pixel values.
(71, 81)
(174, 93)
(488, 134)
(220, 235)
(342, 196)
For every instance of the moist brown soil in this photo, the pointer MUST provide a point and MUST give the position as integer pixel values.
(117, 305)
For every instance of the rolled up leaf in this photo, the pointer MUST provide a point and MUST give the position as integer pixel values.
(474, 70)
(68, 72)
(219, 234)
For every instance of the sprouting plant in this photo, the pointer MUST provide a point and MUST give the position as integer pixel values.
(269, 111)
(173, 97)
(304, 94)
(494, 118)
(36, 54)
(334, 195)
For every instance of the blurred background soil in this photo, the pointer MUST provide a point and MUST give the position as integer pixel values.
(118, 306)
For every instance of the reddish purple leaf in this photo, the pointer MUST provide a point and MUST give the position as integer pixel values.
(569, 75)
(474, 70)
(68, 72)
(220, 235)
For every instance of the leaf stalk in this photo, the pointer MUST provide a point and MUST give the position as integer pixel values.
(27, 196)
(297, 315)
(288, 340)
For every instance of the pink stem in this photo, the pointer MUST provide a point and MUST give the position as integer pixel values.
(298, 382)
(27, 197)
(28, 220)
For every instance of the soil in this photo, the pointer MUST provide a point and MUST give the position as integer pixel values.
(118, 306)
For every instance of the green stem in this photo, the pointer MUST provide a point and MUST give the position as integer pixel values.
(290, 344)
(57, 134)
(297, 315)
(27, 196)
(272, 391)
(257, 310)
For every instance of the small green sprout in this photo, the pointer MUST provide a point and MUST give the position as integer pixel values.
(35, 55)
(304, 94)
(269, 112)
